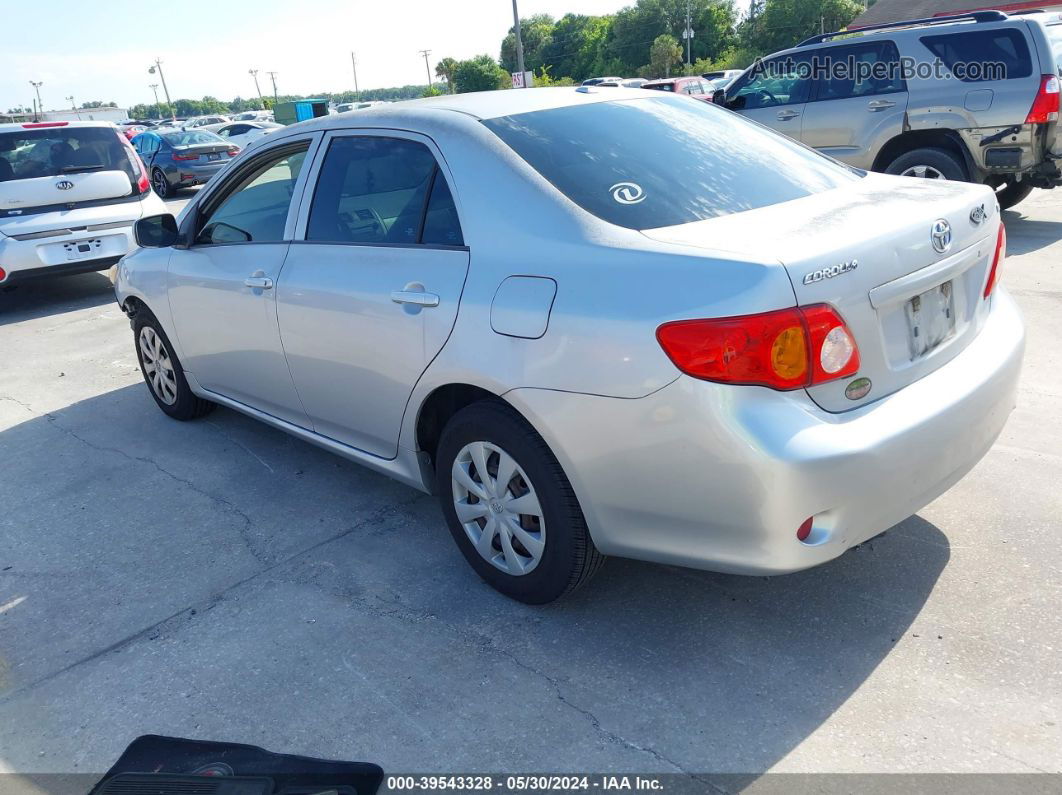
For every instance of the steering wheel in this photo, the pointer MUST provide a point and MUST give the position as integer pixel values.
(772, 97)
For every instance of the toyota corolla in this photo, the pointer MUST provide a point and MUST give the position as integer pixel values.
(593, 322)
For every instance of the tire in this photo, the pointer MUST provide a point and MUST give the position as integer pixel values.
(1010, 193)
(170, 391)
(160, 184)
(929, 160)
(567, 557)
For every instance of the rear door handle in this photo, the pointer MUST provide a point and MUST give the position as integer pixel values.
(786, 115)
(880, 104)
(258, 282)
(415, 297)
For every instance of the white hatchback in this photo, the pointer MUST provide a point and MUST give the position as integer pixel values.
(70, 193)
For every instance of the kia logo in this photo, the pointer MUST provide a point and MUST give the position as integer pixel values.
(627, 193)
(940, 234)
(64, 184)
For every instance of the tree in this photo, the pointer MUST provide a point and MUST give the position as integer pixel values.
(445, 69)
(665, 53)
(481, 73)
(98, 104)
(535, 33)
(575, 47)
(780, 24)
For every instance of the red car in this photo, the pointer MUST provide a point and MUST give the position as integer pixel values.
(696, 87)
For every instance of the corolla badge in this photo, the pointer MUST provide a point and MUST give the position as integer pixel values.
(627, 193)
(64, 184)
(940, 234)
(829, 273)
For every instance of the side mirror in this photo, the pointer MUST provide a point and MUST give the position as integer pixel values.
(156, 231)
(719, 97)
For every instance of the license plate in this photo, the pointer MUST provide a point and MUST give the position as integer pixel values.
(930, 318)
(213, 156)
(83, 249)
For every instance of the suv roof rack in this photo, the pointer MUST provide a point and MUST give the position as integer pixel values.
(976, 16)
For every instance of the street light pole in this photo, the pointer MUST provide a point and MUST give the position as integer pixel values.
(687, 34)
(254, 73)
(273, 77)
(73, 107)
(519, 43)
(165, 89)
(40, 105)
(354, 65)
(427, 67)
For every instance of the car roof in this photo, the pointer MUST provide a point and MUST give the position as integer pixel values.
(30, 125)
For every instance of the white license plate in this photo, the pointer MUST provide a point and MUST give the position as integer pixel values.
(83, 249)
(213, 156)
(930, 318)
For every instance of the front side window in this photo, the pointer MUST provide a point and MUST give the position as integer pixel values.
(979, 55)
(785, 80)
(861, 71)
(660, 161)
(376, 190)
(255, 210)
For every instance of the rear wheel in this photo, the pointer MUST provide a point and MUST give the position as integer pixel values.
(928, 163)
(162, 371)
(1010, 193)
(510, 507)
(160, 184)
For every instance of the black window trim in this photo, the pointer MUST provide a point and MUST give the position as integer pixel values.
(367, 133)
(192, 227)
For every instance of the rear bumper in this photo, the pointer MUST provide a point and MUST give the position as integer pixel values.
(720, 477)
(77, 252)
(64, 269)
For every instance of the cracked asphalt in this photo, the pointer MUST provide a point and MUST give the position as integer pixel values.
(221, 580)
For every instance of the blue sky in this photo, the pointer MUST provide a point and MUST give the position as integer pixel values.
(101, 49)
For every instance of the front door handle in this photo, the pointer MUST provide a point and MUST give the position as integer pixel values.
(258, 281)
(786, 115)
(415, 297)
(880, 104)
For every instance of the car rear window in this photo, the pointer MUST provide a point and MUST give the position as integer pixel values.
(660, 86)
(29, 153)
(665, 160)
(191, 137)
(979, 55)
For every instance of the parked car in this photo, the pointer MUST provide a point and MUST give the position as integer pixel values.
(696, 87)
(990, 115)
(722, 74)
(69, 195)
(593, 81)
(347, 106)
(131, 131)
(242, 133)
(210, 123)
(626, 82)
(182, 158)
(254, 115)
(744, 357)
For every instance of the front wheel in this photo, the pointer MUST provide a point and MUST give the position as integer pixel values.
(510, 507)
(163, 372)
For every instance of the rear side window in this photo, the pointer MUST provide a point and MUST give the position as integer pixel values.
(54, 151)
(981, 55)
(663, 160)
(384, 191)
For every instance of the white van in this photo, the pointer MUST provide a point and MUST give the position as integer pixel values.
(70, 193)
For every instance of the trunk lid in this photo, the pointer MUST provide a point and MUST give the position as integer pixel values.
(203, 150)
(867, 250)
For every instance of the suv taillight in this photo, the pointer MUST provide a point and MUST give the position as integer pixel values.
(787, 349)
(996, 271)
(1045, 106)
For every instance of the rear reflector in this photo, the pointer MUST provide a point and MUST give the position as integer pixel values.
(1045, 106)
(787, 349)
(996, 271)
(805, 529)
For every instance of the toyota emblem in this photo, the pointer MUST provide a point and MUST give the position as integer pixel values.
(940, 234)
(64, 184)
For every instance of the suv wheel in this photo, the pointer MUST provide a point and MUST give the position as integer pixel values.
(160, 184)
(510, 507)
(163, 372)
(1010, 193)
(928, 163)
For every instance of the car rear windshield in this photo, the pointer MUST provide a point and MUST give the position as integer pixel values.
(191, 138)
(660, 86)
(29, 153)
(665, 160)
(980, 55)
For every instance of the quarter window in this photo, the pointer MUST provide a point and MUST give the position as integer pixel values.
(256, 209)
(980, 55)
(376, 190)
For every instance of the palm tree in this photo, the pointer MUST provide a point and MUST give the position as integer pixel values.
(445, 69)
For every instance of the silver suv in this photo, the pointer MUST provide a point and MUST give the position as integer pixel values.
(971, 97)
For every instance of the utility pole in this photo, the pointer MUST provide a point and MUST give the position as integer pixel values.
(73, 106)
(687, 34)
(427, 66)
(158, 67)
(273, 77)
(354, 65)
(254, 73)
(519, 43)
(155, 87)
(40, 105)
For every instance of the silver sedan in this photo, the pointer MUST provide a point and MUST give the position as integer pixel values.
(594, 322)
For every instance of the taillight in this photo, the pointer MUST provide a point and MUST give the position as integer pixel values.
(139, 170)
(3, 274)
(1045, 106)
(35, 125)
(191, 156)
(787, 349)
(234, 151)
(996, 271)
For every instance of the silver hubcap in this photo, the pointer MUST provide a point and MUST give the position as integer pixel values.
(158, 368)
(923, 172)
(498, 508)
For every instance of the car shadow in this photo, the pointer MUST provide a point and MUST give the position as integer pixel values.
(1025, 235)
(43, 297)
(231, 560)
